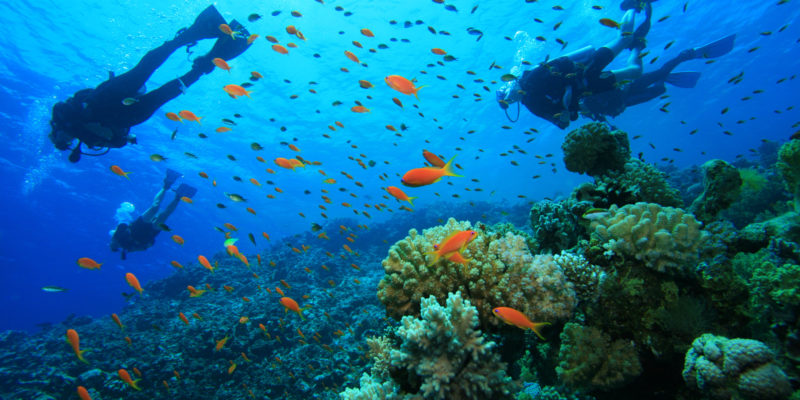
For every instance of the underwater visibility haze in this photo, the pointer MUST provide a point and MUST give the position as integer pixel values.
(400, 199)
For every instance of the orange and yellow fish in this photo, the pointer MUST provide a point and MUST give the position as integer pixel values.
(456, 242)
(402, 85)
(399, 194)
(88, 263)
(189, 116)
(126, 377)
(133, 282)
(118, 171)
(236, 91)
(289, 304)
(428, 175)
(518, 319)
(75, 341)
(204, 262)
(221, 64)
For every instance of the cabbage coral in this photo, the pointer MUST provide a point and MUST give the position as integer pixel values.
(502, 272)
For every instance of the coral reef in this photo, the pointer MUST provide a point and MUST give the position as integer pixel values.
(722, 184)
(584, 276)
(556, 225)
(665, 239)
(636, 182)
(589, 359)
(442, 355)
(595, 150)
(723, 368)
(502, 272)
(789, 167)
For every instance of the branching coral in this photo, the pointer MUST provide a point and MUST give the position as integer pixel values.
(665, 239)
(442, 355)
(636, 182)
(589, 359)
(594, 150)
(502, 273)
(725, 368)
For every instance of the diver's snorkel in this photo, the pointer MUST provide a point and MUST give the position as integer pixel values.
(507, 94)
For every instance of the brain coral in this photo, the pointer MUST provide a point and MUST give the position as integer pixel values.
(594, 150)
(636, 182)
(589, 359)
(502, 273)
(556, 225)
(726, 368)
(665, 239)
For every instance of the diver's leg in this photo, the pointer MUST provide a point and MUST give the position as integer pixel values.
(632, 71)
(148, 104)
(162, 217)
(625, 39)
(151, 212)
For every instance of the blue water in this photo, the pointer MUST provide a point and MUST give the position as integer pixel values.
(55, 212)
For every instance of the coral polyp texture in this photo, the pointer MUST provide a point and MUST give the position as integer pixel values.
(594, 150)
(789, 167)
(665, 239)
(502, 272)
(442, 355)
(723, 368)
(589, 359)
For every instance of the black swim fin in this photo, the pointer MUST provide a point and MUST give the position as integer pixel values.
(205, 26)
(683, 79)
(185, 190)
(717, 48)
(171, 177)
(226, 48)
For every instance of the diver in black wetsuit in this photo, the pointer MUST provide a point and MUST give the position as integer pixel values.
(553, 89)
(141, 234)
(101, 118)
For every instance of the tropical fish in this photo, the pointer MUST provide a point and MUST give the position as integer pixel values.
(236, 91)
(280, 49)
(157, 157)
(433, 159)
(189, 116)
(204, 262)
(133, 282)
(117, 170)
(595, 213)
(352, 57)
(428, 175)
(177, 239)
(290, 304)
(402, 85)
(75, 341)
(173, 117)
(221, 343)
(399, 194)
(129, 101)
(221, 64)
(183, 318)
(116, 319)
(54, 289)
(83, 393)
(456, 242)
(88, 263)
(228, 31)
(126, 377)
(518, 319)
(194, 292)
(609, 23)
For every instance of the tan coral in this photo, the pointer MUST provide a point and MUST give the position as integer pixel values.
(502, 273)
(665, 239)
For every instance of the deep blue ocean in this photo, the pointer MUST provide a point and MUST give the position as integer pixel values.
(55, 212)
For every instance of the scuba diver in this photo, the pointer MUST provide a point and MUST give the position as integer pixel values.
(101, 118)
(651, 85)
(141, 234)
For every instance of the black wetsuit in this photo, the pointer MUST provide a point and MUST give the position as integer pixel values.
(546, 85)
(138, 236)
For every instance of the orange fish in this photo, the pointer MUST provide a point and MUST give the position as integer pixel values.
(88, 263)
(458, 258)
(187, 200)
(204, 262)
(351, 56)
(174, 117)
(133, 282)
(428, 175)
(222, 129)
(399, 194)
(221, 64)
(609, 23)
(75, 342)
(176, 264)
(255, 75)
(438, 51)
(271, 39)
(365, 84)
(397, 101)
(236, 91)
(117, 170)
(221, 343)
(295, 163)
(402, 85)
(203, 174)
(189, 116)
(290, 304)
(177, 239)
(137, 372)
(290, 29)
(366, 32)
(359, 109)
(291, 45)
(183, 318)
(252, 38)
(228, 31)
(126, 377)
(293, 147)
(433, 159)
(456, 242)
(280, 49)
(231, 226)
(83, 393)
(194, 292)
(244, 320)
(115, 317)
(518, 319)
(232, 367)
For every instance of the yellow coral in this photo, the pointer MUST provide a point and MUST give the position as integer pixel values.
(665, 239)
(502, 272)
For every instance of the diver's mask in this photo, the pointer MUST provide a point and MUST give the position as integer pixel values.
(508, 94)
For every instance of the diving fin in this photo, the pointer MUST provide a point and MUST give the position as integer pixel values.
(716, 49)
(171, 177)
(185, 190)
(638, 5)
(225, 48)
(205, 26)
(683, 79)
